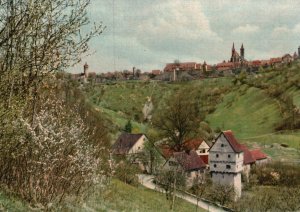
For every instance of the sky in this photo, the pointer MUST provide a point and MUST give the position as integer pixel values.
(147, 34)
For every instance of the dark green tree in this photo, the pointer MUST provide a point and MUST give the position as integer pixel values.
(128, 127)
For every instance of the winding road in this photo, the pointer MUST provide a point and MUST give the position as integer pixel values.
(146, 180)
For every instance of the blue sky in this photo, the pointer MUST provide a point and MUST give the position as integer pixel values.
(149, 33)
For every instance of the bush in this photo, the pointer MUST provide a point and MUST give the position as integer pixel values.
(127, 172)
(50, 154)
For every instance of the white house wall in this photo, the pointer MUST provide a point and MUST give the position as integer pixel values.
(203, 146)
(222, 156)
(138, 146)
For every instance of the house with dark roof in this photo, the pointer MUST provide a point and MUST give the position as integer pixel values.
(188, 162)
(128, 144)
(200, 146)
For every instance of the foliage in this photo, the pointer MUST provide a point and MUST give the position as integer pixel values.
(270, 199)
(53, 156)
(170, 181)
(222, 194)
(177, 121)
(127, 171)
(128, 127)
(277, 174)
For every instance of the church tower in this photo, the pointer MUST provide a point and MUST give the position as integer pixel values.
(242, 52)
(299, 51)
(232, 50)
(234, 57)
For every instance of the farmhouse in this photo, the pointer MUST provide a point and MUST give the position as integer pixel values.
(188, 162)
(198, 145)
(228, 159)
(129, 144)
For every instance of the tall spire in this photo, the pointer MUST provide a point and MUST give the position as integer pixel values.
(242, 47)
(233, 46)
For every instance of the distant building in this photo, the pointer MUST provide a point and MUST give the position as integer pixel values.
(235, 57)
(287, 58)
(156, 72)
(188, 66)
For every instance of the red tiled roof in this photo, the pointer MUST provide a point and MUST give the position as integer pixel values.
(192, 144)
(248, 158)
(265, 62)
(225, 64)
(257, 154)
(276, 60)
(156, 72)
(189, 160)
(198, 66)
(204, 158)
(166, 151)
(232, 141)
(255, 63)
(183, 66)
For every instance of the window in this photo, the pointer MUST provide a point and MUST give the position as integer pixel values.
(172, 163)
(217, 155)
(228, 166)
(229, 156)
(215, 165)
(222, 145)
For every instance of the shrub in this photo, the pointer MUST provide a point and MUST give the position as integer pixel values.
(51, 154)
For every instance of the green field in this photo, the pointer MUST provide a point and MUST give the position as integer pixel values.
(246, 109)
(247, 112)
(116, 197)
(10, 203)
(123, 197)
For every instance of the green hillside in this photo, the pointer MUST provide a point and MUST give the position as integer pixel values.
(117, 197)
(246, 111)
(258, 108)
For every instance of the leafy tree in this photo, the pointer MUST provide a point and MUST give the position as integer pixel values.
(222, 194)
(178, 120)
(128, 127)
(170, 181)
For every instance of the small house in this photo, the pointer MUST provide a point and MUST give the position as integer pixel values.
(188, 162)
(200, 146)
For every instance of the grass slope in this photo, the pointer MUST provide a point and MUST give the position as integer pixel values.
(123, 197)
(10, 203)
(117, 197)
(246, 111)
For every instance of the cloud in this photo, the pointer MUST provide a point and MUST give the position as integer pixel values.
(176, 29)
(149, 33)
(247, 29)
(282, 32)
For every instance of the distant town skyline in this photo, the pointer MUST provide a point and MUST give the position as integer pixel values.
(148, 34)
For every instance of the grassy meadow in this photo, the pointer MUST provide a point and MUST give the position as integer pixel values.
(247, 109)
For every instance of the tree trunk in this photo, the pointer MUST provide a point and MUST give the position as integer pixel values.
(174, 195)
